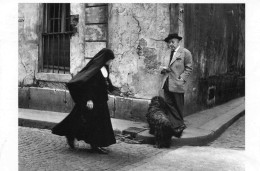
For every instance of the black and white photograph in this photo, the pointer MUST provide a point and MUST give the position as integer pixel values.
(129, 86)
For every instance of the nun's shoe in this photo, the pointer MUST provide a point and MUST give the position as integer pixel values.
(70, 141)
(98, 150)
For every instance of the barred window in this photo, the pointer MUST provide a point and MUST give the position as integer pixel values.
(56, 38)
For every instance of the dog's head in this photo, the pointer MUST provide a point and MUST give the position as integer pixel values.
(158, 102)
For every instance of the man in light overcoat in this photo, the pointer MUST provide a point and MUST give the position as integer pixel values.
(176, 71)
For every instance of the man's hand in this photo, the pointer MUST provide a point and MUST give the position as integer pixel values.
(90, 104)
(165, 70)
(180, 78)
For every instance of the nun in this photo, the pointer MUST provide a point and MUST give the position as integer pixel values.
(89, 120)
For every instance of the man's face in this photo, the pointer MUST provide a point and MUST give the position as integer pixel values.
(173, 43)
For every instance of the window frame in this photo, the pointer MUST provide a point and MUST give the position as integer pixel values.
(58, 35)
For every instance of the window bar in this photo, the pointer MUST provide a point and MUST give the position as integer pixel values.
(59, 22)
(63, 30)
(68, 54)
(52, 57)
(43, 52)
(53, 20)
(48, 18)
(48, 53)
(107, 14)
(64, 54)
(62, 18)
(52, 48)
(58, 53)
(45, 17)
(69, 32)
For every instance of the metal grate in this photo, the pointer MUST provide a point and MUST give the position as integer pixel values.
(56, 38)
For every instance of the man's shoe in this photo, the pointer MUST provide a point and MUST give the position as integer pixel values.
(178, 131)
(183, 127)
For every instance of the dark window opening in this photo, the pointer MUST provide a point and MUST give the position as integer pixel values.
(56, 38)
(211, 93)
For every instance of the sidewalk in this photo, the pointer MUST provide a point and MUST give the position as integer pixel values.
(202, 127)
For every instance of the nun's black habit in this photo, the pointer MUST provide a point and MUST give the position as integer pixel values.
(93, 126)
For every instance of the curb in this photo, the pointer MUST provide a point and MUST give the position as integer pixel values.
(193, 141)
(44, 125)
(147, 138)
(35, 123)
(194, 135)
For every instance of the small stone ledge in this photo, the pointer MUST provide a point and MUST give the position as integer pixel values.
(55, 77)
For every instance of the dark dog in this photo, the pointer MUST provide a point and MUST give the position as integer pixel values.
(159, 123)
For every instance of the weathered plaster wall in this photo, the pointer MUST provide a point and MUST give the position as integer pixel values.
(136, 32)
(28, 42)
(77, 41)
(215, 35)
(30, 23)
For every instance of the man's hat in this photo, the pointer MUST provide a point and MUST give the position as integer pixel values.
(172, 36)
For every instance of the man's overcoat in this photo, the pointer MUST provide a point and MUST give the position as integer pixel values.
(180, 67)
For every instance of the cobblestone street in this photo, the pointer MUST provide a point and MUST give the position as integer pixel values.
(41, 150)
(233, 137)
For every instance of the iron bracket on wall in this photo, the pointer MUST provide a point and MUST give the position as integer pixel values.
(74, 20)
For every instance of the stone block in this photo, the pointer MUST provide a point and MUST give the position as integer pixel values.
(23, 97)
(50, 99)
(96, 32)
(131, 109)
(111, 105)
(96, 15)
(139, 109)
(145, 137)
(123, 107)
(63, 78)
(133, 131)
(69, 103)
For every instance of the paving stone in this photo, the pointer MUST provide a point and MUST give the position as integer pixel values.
(41, 150)
(233, 137)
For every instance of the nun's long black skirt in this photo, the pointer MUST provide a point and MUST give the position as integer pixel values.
(93, 126)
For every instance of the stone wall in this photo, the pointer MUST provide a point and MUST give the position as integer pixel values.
(30, 30)
(77, 41)
(28, 42)
(136, 32)
(215, 35)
